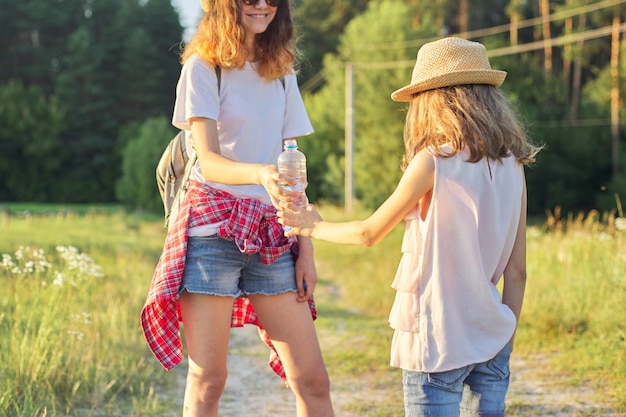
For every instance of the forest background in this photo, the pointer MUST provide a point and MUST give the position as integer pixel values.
(87, 89)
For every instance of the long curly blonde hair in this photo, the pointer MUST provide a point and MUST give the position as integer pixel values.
(220, 40)
(478, 118)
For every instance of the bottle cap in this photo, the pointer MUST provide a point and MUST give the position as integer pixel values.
(291, 144)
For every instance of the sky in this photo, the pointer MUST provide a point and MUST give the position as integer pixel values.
(189, 11)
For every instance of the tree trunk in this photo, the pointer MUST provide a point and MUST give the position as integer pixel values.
(463, 16)
(515, 13)
(615, 94)
(440, 18)
(544, 7)
(567, 62)
(577, 76)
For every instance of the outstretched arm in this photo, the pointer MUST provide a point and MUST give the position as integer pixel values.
(417, 180)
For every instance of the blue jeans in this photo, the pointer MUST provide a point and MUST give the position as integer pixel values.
(474, 390)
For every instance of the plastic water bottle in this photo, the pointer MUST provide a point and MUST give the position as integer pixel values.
(292, 164)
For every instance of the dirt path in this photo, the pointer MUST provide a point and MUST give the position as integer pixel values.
(534, 393)
(253, 390)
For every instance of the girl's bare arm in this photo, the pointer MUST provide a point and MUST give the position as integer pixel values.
(515, 271)
(217, 168)
(417, 180)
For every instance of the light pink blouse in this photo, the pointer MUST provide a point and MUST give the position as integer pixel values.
(448, 312)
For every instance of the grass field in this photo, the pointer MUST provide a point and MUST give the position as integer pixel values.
(74, 281)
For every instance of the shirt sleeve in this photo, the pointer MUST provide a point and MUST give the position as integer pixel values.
(297, 121)
(197, 93)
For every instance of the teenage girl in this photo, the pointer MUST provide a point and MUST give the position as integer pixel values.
(226, 261)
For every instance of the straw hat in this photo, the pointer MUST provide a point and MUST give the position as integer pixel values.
(447, 62)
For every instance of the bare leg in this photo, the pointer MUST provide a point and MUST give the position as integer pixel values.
(290, 327)
(206, 320)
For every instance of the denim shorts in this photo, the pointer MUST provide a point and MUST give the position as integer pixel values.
(474, 390)
(216, 266)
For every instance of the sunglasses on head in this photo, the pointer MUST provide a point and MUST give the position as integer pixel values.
(272, 3)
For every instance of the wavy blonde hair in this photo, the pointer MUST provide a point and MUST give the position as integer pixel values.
(478, 118)
(220, 40)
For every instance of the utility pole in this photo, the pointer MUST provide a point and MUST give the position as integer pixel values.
(349, 139)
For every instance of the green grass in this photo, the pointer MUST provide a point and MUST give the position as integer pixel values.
(71, 341)
(77, 349)
(574, 305)
(44, 208)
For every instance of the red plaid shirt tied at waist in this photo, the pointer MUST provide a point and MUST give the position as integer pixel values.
(251, 224)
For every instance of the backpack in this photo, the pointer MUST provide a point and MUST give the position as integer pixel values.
(174, 169)
(175, 166)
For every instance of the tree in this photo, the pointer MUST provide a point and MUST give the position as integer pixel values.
(597, 105)
(91, 128)
(320, 24)
(110, 63)
(138, 84)
(31, 153)
(33, 35)
(145, 42)
(136, 188)
(370, 40)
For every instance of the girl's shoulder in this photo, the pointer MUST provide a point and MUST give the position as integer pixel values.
(423, 163)
(196, 60)
(196, 69)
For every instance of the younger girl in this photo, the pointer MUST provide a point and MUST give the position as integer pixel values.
(463, 198)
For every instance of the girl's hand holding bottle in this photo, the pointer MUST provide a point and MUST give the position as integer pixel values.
(269, 178)
(301, 219)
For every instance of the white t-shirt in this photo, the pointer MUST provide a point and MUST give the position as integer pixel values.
(253, 116)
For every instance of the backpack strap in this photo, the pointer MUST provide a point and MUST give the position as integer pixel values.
(218, 73)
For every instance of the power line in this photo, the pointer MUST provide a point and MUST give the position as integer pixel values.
(313, 82)
(319, 78)
(564, 14)
(559, 124)
(494, 30)
(513, 49)
(559, 41)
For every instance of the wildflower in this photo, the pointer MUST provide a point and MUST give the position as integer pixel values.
(27, 261)
(29, 267)
(79, 335)
(79, 262)
(40, 263)
(84, 317)
(58, 279)
(620, 223)
(7, 262)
